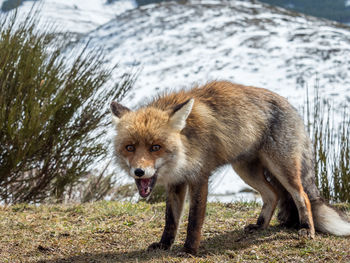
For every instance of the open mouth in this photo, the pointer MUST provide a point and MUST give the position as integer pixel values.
(146, 185)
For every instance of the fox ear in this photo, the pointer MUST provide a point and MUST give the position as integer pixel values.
(179, 115)
(118, 111)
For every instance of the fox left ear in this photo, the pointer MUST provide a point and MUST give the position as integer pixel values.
(179, 115)
(118, 111)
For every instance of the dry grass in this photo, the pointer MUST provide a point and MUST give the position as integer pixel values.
(120, 232)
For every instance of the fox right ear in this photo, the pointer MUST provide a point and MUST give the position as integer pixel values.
(180, 113)
(118, 111)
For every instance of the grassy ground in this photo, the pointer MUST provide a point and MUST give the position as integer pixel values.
(120, 232)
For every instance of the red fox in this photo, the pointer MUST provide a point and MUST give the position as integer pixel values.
(179, 139)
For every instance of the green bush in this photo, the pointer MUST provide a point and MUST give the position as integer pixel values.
(53, 111)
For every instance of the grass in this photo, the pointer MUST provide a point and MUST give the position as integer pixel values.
(120, 232)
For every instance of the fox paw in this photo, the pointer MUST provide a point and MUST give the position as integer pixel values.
(190, 250)
(157, 245)
(252, 228)
(306, 233)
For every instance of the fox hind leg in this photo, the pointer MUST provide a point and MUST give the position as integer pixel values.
(253, 174)
(288, 215)
(289, 175)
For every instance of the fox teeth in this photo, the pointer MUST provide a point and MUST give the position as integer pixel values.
(148, 190)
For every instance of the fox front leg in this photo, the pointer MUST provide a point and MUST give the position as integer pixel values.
(174, 206)
(198, 194)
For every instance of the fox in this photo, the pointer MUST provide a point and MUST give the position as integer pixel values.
(180, 138)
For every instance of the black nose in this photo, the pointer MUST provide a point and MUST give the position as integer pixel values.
(139, 172)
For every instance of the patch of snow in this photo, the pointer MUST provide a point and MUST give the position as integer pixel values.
(179, 45)
(78, 16)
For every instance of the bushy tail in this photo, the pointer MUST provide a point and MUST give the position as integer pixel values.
(329, 220)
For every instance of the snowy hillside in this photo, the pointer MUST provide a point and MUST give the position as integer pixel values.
(77, 16)
(242, 41)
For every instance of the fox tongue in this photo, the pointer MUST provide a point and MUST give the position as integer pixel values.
(145, 183)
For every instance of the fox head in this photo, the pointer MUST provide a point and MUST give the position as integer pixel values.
(148, 144)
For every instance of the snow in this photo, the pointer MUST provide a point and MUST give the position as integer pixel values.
(78, 16)
(180, 45)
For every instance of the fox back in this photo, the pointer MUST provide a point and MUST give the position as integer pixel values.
(226, 122)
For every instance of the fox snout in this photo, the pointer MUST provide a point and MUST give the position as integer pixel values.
(140, 172)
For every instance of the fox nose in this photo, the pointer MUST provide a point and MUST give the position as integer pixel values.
(139, 172)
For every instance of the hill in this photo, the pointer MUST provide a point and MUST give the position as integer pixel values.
(175, 45)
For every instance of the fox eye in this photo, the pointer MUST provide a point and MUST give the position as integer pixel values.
(155, 148)
(130, 148)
